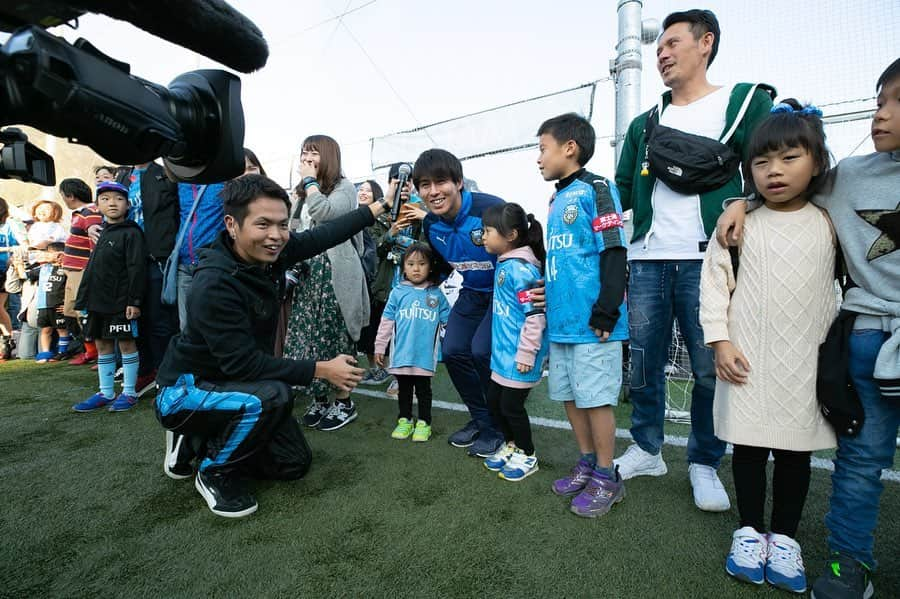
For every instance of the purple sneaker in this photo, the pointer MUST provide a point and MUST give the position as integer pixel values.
(599, 496)
(575, 482)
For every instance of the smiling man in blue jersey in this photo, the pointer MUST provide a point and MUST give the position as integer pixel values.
(453, 228)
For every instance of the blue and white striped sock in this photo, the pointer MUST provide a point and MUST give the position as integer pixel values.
(106, 372)
(130, 364)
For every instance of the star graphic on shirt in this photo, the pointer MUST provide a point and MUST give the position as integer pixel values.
(888, 222)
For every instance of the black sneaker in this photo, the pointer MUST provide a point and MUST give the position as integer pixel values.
(119, 376)
(844, 578)
(225, 495)
(465, 436)
(314, 414)
(177, 463)
(338, 415)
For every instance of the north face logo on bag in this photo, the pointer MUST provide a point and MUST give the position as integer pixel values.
(675, 170)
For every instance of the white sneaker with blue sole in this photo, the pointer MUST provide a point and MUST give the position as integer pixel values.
(784, 564)
(747, 560)
(519, 466)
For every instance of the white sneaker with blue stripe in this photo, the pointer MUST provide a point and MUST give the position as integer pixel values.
(747, 560)
(498, 460)
(784, 564)
(519, 466)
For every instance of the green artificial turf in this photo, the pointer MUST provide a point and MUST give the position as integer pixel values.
(88, 512)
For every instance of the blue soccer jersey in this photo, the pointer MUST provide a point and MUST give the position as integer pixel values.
(418, 315)
(512, 306)
(51, 286)
(585, 220)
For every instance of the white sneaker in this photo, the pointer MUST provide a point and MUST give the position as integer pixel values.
(747, 559)
(784, 564)
(519, 466)
(637, 462)
(709, 494)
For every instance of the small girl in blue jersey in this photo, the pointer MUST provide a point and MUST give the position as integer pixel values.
(518, 344)
(415, 313)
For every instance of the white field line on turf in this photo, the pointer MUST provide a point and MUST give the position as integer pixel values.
(621, 433)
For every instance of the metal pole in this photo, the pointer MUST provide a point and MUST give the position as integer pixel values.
(626, 70)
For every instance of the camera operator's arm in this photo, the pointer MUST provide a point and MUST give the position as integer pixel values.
(316, 240)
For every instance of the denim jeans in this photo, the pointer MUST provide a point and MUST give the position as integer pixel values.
(28, 341)
(659, 292)
(157, 324)
(856, 482)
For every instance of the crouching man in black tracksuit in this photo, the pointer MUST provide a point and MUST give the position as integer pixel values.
(223, 394)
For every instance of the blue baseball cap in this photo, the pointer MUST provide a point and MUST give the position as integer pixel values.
(112, 186)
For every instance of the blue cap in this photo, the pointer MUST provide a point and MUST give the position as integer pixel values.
(112, 186)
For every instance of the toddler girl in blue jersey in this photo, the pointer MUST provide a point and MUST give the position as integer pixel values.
(415, 313)
(518, 344)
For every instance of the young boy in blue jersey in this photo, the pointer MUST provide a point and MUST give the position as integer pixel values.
(453, 228)
(586, 316)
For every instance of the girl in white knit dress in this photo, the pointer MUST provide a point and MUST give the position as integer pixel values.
(766, 328)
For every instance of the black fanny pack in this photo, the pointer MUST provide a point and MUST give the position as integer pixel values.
(687, 163)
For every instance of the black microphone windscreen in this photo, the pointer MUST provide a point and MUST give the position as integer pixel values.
(209, 27)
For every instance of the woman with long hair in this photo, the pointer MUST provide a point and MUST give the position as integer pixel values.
(330, 304)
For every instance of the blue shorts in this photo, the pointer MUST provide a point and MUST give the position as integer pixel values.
(590, 374)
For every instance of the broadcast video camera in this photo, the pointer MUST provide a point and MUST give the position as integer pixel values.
(75, 91)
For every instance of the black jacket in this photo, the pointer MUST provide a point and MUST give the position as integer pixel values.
(233, 310)
(159, 197)
(115, 275)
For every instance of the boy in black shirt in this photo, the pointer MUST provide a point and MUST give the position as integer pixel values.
(111, 293)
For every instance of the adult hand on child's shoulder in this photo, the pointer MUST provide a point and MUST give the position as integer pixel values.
(730, 225)
(94, 233)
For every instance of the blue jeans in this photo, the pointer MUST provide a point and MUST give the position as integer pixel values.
(158, 322)
(659, 292)
(856, 482)
(14, 305)
(466, 352)
(28, 341)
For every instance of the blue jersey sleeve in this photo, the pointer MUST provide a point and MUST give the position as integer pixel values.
(606, 222)
(390, 309)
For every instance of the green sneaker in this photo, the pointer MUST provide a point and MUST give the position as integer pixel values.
(403, 429)
(422, 432)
